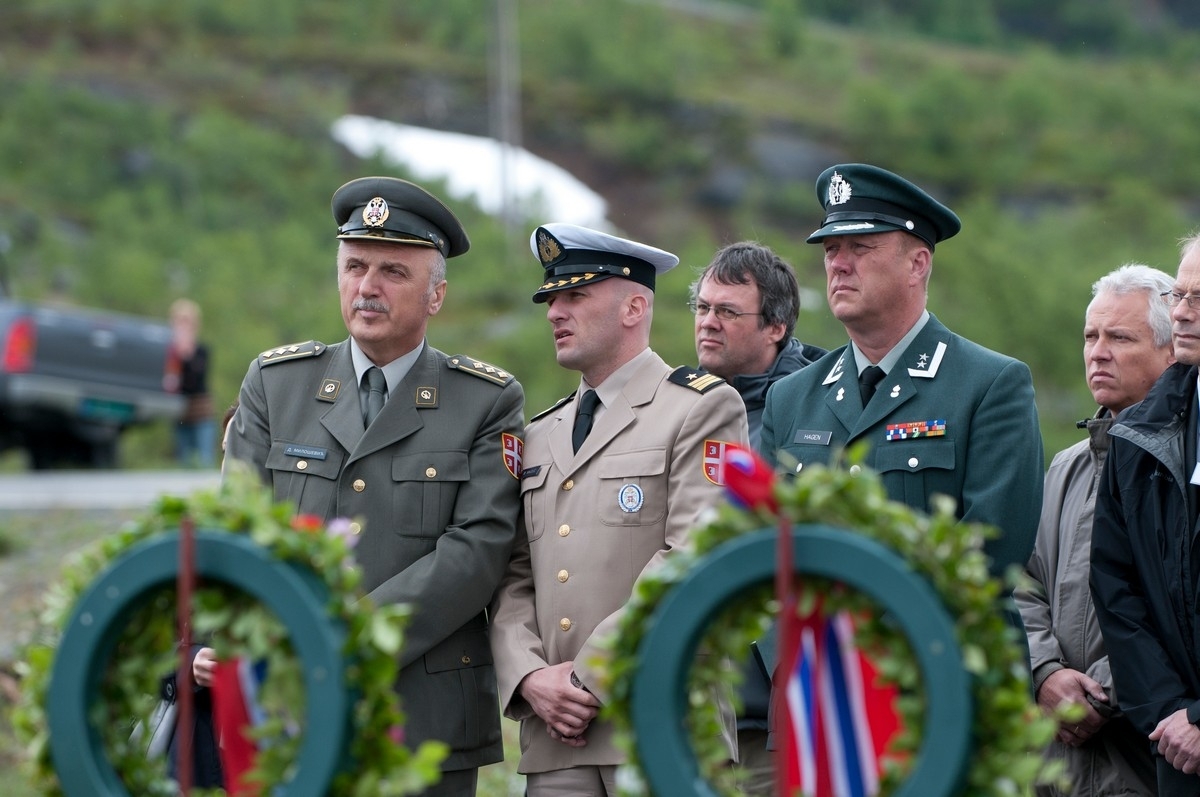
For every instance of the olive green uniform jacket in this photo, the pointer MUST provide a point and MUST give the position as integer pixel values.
(594, 521)
(434, 483)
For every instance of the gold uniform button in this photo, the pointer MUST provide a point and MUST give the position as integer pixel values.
(302, 465)
(430, 472)
(569, 484)
(466, 659)
(355, 527)
(564, 530)
(565, 624)
(563, 575)
(359, 485)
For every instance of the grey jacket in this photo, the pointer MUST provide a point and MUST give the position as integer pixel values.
(1060, 621)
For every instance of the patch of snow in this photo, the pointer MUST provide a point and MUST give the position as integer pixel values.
(473, 168)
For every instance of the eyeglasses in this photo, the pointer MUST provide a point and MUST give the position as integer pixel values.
(720, 311)
(1173, 298)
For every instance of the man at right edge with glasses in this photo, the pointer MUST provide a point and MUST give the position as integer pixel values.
(1145, 563)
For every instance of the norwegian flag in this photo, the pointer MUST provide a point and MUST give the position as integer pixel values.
(837, 719)
(235, 711)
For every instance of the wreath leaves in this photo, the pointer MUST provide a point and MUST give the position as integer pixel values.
(1009, 730)
(239, 627)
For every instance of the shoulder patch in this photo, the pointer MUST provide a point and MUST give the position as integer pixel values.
(295, 351)
(553, 407)
(481, 369)
(695, 379)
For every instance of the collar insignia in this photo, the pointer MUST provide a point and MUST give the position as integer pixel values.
(329, 390)
(929, 371)
(835, 373)
(427, 397)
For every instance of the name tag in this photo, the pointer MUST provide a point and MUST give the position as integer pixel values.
(306, 452)
(812, 438)
(531, 471)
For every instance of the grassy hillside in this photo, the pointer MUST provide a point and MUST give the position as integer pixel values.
(153, 149)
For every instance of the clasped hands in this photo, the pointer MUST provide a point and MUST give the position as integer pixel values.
(566, 708)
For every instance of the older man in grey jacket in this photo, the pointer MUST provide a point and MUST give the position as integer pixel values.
(1126, 346)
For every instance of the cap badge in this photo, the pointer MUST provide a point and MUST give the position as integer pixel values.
(376, 212)
(839, 190)
(548, 248)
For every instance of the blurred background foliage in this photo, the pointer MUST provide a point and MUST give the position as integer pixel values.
(153, 149)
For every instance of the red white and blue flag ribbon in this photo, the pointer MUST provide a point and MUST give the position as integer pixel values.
(837, 719)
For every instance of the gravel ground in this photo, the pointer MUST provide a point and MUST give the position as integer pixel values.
(38, 543)
(33, 547)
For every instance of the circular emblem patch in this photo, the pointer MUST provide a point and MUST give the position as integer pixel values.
(376, 212)
(630, 498)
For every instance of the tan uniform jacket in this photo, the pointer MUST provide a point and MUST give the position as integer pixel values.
(438, 503)
(594, 521)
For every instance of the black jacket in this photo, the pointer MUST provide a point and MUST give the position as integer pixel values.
(753, 387)
(1145, 559)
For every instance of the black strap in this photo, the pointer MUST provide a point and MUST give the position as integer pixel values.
(871, 376)
(583, 418)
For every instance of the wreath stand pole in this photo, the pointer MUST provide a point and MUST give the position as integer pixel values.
(184, 582)
(785, 594)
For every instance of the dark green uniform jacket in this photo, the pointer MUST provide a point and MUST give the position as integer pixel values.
(951, 417)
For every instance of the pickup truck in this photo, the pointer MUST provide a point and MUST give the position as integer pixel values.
(73, 379)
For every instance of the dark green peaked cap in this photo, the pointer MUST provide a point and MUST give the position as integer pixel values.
(860, 199)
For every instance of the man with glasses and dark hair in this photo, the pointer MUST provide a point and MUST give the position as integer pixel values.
(746, 301)
(1145, 561)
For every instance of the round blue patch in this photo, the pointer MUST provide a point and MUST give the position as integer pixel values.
(630, 498)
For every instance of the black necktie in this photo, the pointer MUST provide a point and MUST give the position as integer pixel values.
(583, 418)
(376, 385)
(871, 376)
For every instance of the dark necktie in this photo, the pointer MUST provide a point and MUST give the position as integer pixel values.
(583, 418)
(871, 376)
(376, 385)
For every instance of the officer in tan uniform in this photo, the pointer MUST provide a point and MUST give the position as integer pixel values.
(614, 476)
(430, 463)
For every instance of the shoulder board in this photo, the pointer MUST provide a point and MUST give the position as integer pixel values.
(699, 381)
(481, 369)
(295, 351)
(555, 406)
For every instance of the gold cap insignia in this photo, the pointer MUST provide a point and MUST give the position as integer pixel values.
(376, 212)
(548, 248)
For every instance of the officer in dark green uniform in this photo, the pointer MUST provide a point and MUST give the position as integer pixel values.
(942, 415)
(423, 447)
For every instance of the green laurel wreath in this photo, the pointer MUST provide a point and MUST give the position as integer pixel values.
(1009, 730)
(236, 626)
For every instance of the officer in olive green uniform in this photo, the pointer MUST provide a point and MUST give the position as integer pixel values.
(600, 506)
(433, 475)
